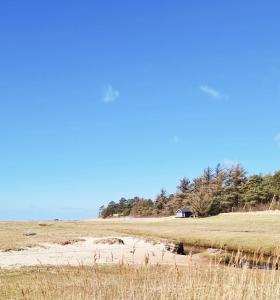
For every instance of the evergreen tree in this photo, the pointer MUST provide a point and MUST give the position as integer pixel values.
(275, 184)
(255, 191)
(160, 203)
(182, 197)
(231, 196)
(216, 190)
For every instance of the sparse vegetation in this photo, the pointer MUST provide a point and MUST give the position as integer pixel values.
(257, 233)
(142, 282)
(249, 232)
(52, 232)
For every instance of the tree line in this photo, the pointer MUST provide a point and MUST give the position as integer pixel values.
(219, 189)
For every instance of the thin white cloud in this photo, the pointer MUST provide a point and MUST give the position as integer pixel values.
(175, 139)
(228, 163)
(110, 94)
(211, 92)
(277, 139)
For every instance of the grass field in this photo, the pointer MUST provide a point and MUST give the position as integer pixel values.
(249, 232)
(127, 282)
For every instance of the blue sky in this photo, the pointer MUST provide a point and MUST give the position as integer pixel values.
(103, 99)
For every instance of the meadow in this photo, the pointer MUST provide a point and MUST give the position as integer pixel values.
(249, 232)
(144, 282)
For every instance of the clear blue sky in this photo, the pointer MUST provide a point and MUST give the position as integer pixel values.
(103, 99)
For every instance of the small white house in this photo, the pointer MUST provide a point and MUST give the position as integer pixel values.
(184, 213)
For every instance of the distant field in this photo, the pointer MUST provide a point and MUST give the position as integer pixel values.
(249, 232)
(17, 235)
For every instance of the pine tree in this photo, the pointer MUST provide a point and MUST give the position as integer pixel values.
(160, 203)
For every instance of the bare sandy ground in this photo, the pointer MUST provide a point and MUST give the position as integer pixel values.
(261, 212)
(88, 252)
(129, 219)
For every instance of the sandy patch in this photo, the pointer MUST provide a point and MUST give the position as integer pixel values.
(261, 212)
(88, 251)
(129, 219)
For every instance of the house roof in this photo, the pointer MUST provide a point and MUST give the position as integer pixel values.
(184, 210)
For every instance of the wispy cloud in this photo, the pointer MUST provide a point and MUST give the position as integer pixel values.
(277, 139)
(110, 94)
(175, 139)
(211, 92)
(230, 163)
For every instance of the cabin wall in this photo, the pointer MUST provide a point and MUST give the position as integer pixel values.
(179, 214)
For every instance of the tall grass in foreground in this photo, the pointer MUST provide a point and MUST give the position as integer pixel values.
(139, 282)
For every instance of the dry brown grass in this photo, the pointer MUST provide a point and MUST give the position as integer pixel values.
(13, 234)
(144, 282)
(252, 232)
(249, 232)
